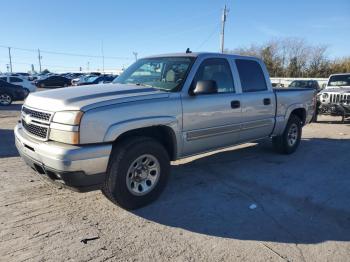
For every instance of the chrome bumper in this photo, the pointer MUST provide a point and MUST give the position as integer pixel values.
(89, 159)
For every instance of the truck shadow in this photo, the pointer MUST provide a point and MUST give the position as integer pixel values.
(256, 194)
(7, 143)
(12, 107)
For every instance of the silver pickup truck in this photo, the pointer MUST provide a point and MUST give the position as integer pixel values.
(122, 136)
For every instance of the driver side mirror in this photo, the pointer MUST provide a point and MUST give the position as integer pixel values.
(205, 87)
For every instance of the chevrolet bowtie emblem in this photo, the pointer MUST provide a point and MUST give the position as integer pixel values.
(28, 119)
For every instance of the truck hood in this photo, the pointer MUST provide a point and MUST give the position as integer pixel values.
(91, 96)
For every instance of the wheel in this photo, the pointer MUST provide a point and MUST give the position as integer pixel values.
(137, 173)
(42, 85)
(5, 99)
(288, 142)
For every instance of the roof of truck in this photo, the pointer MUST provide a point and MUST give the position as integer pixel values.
(196, 54)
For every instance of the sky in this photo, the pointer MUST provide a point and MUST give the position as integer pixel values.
(74, 34)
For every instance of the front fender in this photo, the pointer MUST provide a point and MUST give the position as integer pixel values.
(115, 130)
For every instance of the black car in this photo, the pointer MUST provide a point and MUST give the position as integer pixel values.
(10, 93)
(53, 81)
(93, 80)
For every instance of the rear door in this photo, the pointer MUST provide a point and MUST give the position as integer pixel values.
(211, 120)
(257, 100)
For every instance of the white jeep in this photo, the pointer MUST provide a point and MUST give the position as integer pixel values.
(335, 98)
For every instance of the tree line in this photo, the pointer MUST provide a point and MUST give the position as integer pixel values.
(293, 57)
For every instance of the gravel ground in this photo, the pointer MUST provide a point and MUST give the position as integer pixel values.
(248, 205)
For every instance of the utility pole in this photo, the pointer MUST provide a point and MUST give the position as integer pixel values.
(223, 21)
(135, 55)
(103, 58)
(39, 57)
(10, 59)
(88, 67)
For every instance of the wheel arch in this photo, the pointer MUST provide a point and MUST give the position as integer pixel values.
(299, 112)
(164, 130)
(281, 121)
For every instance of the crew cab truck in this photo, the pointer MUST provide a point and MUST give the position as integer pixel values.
(122, 136)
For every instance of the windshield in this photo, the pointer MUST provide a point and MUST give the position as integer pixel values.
(91, 79)
(339, 80)
(166, 73)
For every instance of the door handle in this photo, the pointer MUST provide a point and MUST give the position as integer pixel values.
(235, 104)
(267, 101)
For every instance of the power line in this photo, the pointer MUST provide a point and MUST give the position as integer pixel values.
(66, 54)
(210, 36)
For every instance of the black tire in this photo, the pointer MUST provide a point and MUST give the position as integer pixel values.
(281, 143)
(5, 99)
(123, 155)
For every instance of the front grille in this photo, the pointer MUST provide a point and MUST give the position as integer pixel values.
(36, 130)
(36, 123)
(339, 98)
(37, 114)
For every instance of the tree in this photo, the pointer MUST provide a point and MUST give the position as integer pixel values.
(293, 57)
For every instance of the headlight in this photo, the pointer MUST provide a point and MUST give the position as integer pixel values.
(68, 117)
(65, 127)
(324, 95)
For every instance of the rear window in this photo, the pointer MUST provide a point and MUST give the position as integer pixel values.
(251, 76)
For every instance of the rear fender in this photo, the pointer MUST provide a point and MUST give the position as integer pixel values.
(281, 121)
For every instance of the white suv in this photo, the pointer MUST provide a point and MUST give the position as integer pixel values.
(20, 81)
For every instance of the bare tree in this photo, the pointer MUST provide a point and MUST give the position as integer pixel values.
(293, 57)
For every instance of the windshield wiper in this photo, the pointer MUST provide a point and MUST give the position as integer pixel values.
(155, 87)
(143, 84)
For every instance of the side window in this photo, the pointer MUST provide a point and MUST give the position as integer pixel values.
(216, 69)
(15, 80)
(251, 75)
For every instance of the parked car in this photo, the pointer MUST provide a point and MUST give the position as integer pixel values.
(335, 98)
(122, 136)
(10, 93)
(82, 78)
(305, 84)
(27, 85)
(53, 81)
(277, 85)
(93, 80)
